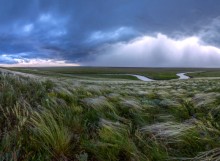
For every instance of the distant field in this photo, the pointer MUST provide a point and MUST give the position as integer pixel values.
(102, 72)
(206, 73)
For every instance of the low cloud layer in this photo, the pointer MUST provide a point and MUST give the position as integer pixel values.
(158, 51)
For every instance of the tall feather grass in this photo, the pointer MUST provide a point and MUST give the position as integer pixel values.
(66, 119)
(50, 134)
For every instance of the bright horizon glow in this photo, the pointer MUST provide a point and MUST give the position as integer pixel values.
(39, 63)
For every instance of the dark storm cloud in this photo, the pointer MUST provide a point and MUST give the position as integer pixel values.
(73, 30)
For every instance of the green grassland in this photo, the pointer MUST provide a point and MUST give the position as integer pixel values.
(153, 73)
(118, 72)
(206, 73)
(69, 119)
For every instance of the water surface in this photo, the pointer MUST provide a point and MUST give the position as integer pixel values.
(182, 76)
(143, 78)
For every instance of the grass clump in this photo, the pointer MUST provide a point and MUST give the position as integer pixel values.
(114, 144)
(51, 134)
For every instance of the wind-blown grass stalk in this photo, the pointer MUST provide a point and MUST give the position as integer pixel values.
(51, 134)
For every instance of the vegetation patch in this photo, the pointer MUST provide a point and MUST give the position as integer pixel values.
(68, 119)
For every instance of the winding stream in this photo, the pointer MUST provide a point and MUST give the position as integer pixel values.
(143, 78)
(182, 76)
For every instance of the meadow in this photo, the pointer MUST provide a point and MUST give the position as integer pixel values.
(48, 115)
(109, 72)
(119, 72)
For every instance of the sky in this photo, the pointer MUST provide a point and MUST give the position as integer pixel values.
(125, 33)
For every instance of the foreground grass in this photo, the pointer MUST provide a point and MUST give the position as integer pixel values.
(107, 121)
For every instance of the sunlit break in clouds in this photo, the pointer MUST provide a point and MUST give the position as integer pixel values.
(142, 33)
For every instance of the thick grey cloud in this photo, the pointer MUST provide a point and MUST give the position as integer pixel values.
(74, 30)
(158, 51)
